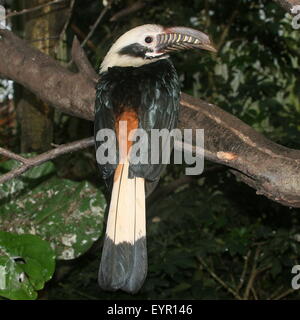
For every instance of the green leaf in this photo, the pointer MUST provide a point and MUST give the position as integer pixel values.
(68, 214)
(276, 268)
(26, 263)
(30, 178)
(181, 287)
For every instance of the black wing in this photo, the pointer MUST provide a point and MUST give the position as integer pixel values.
(104, 119)
(159, 108)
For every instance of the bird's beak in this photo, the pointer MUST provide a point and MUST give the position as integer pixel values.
(180, 38)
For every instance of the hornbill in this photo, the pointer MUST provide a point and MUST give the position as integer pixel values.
(138, 85)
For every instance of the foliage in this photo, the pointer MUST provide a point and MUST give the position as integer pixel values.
(26, 263)
(67, 214)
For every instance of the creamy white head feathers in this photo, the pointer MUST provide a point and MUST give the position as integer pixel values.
(137, 35)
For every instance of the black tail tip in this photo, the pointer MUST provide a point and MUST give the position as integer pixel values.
(123, 266)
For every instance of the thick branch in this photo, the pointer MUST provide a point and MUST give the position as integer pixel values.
(82, 62)
(70, 92)
(271, 169)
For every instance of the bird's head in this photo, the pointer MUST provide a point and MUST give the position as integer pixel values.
(149, 43)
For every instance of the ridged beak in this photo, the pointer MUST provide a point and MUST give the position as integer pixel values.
(181, 38)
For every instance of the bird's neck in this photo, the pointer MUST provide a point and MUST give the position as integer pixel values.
(115, 60)
(155, 69)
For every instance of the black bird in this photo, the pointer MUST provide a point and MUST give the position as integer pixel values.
(138, 85)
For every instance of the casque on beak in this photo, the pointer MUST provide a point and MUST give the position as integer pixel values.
(181, 38)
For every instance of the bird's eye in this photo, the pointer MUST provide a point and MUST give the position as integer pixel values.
(148, 39)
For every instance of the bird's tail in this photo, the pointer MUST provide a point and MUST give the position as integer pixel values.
(124, 256)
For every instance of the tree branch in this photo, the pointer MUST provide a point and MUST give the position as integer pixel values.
(25, 11)
(95, 25)
(244, 272)
(271, 169)
(218, 279)
(28, 163)
(81, 61)
(253, 274)
(11, 155)
(70, 92)
(129, 10)
(284, 294)
(64, 29)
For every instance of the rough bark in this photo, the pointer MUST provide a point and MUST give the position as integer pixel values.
(271, 169)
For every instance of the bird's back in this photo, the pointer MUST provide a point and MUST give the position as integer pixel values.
(151, 92)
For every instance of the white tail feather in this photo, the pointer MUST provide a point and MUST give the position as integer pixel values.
(126, 218)
(124, 256)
